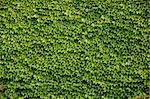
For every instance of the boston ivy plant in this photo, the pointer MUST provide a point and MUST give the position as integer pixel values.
(74, 49)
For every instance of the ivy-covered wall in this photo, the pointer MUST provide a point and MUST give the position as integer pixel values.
(74, 49)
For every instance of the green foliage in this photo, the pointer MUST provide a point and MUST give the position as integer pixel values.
(74, 49)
